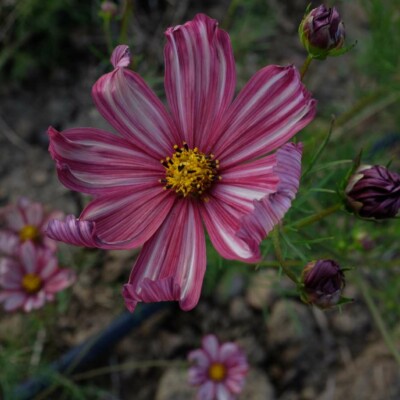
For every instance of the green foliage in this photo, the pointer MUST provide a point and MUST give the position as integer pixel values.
(38, 36)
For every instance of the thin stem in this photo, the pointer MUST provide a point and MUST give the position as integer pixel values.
(377, 317)
(321, 149)
(128, 10)
(276, 264)
(305, 66)
(107, 33)
(230, 13)
(279, 255)
(128, 367)
(315, 218)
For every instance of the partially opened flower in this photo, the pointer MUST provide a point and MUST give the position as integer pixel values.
(169, 172)
(31, 279)
(25, 221)
(219, 370)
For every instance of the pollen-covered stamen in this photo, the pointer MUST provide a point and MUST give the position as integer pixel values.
(32, 283)
(29, 232)
(189, 171)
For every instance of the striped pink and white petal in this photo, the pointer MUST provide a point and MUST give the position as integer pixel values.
(171, 265)
(207, 391)
(9, 242)
(62, 279)
(249, 201)
(96, 162)
(200, 78)
(272, 107)
(222, 221)
(118, 221)
(12, 300)
(133, 109)
(32, 212)
(29, 257)
(270, 210)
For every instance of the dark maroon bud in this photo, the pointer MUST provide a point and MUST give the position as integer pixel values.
(374, 192)
(322, 32)
(322, 283)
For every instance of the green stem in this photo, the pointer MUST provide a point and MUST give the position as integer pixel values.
(128, 10)
(230, 13)
(128, 367)
(107, 33)
(315, 218)
(320, 150)
(377, 317)
(275, 264)
(279, 255)
(305, 66)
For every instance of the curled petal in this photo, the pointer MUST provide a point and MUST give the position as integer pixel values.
(172, 263)
(121, 56)
(270, 109)
(73, 231)
(269, 210)
(200, 78)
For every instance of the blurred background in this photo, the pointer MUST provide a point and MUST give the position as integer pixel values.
(51, 53)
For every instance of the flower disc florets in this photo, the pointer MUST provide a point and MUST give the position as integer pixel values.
(189, 172)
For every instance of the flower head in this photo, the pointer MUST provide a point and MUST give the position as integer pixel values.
(323, 282)
(168, 173)
(322, 32)
(219, 370)
(31, 279)
(25, 221)
(374, 192)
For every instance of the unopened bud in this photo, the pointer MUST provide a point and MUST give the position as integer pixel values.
(322, 33)
(322, 283)
(109, 8)
(374, 192)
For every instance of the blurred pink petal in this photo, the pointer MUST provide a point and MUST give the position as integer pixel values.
(25, 221)
(30, 279)
(221, 374)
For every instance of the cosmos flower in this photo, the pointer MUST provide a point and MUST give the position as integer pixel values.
(166, 173)
(219, 370)
(32, 278)
(25, 221)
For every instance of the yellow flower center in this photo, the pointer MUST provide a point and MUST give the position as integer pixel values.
(32, 283)
(29, 232)
(217, 372)
(189, 172)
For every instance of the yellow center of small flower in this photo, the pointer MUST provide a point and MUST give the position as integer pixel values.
(32, 283)
(217, 372)
(189, 172)
(29, 232)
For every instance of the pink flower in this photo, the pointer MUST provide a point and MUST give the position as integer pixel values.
(31, 279)
(213, 168)
(25, 221)
(219, 370)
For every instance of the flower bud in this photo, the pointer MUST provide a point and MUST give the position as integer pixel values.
(323, 282)
(322, 32)
(109, 8)
(374, 192)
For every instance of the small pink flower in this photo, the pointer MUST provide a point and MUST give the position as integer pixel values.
(32, 278)
(22, 222)
(219, 370)
(169, 173)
